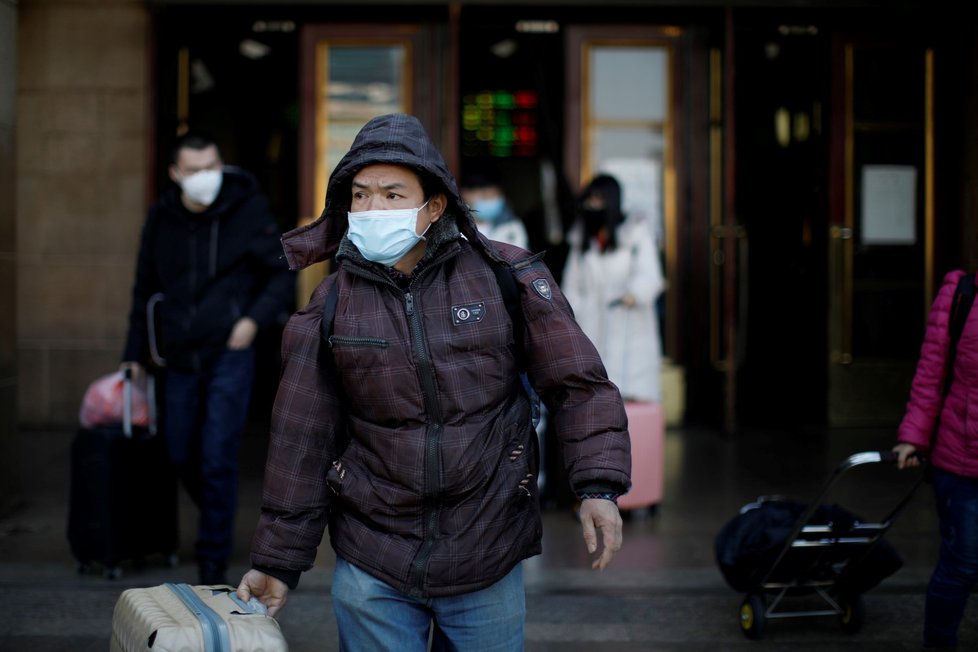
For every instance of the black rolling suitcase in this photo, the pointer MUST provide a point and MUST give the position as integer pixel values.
(123, 500)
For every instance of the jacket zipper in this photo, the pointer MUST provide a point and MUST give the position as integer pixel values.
(426, 374)
(433, 432)
(192, 308)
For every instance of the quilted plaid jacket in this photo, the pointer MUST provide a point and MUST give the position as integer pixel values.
(435, 492)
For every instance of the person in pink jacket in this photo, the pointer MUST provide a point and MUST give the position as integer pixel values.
(945, 429)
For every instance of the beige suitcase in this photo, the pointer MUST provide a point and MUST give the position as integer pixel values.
(185, 618)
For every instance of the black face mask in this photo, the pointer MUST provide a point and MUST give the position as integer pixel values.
(594, 220)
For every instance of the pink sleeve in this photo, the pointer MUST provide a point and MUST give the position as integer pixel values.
(925, 401)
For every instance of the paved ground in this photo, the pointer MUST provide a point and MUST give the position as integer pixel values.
(663, 591)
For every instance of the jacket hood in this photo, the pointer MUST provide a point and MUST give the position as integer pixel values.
(396, 139)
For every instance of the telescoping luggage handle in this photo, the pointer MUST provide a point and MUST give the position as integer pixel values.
(127, 402)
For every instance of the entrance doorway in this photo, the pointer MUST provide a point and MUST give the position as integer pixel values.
(833, 191)
(232, 73)
(782, 91)
(511, 91)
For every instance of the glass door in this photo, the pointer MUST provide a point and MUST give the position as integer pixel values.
(882, 230)
(622, 121)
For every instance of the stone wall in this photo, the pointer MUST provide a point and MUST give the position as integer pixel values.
(82, 156)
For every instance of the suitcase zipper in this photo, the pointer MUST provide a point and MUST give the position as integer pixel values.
(214, 628)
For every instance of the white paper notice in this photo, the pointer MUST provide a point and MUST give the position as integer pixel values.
(889, 204)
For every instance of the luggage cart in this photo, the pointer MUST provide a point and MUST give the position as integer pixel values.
(829, 553)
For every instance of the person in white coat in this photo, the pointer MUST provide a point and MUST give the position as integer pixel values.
(612, 279)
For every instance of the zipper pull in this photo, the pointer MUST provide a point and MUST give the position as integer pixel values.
(409, 303)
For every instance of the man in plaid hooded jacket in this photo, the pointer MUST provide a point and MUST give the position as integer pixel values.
(405, 427)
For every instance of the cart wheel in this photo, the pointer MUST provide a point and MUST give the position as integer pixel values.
(853, 614)
(752, 618)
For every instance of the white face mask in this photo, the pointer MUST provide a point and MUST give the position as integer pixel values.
(202, 187)
(384, 236)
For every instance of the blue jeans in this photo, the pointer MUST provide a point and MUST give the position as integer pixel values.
(205, 415)
(373, 617)
(956, 572)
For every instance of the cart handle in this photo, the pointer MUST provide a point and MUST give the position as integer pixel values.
(868, 457)
(874, 457)
(856, 459)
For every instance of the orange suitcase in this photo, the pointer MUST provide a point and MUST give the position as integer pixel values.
(646, 426)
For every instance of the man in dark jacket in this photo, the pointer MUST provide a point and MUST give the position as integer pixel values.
(405, 426)
(210, 262)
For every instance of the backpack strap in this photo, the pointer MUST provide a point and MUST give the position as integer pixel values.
(329, 312)
(328, 363)
(964, 297)
(506, 280)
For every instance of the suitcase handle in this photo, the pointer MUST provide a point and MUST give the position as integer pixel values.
(253, 606)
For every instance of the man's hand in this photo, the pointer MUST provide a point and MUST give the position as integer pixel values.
(601, 514)
(243, 334)
(905, 456)
(271, 591)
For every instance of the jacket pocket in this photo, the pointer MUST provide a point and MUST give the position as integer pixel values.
(357, 341)
(523, 478)
(370, 499)
(367, 367)
(498, 466)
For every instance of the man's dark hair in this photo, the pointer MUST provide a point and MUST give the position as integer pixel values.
(430, 184)
(196, 140)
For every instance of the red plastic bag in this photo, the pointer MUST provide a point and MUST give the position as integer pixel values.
(105, 400)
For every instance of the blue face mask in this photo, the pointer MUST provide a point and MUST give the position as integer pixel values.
(489, 210)
(384, 236)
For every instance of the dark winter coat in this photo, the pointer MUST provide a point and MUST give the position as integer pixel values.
(436, 492)
(213, 268)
